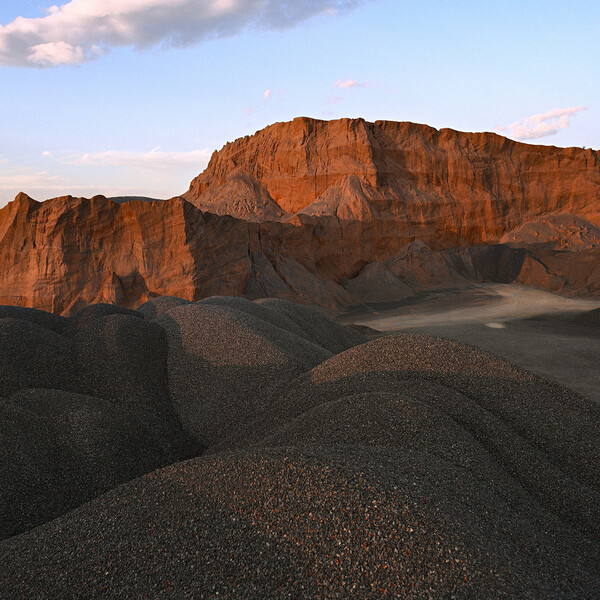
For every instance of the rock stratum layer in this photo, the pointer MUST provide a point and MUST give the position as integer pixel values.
(331, 213)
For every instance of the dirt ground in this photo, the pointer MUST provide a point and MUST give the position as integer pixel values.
(535, 329)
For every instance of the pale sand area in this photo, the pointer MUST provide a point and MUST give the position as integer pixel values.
(535, 329)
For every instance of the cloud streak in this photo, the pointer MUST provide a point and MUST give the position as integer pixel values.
(541, 125)
(154, 160)
(82, 30)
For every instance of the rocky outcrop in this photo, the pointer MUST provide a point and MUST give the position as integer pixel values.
(444, 187)
(329, 213)
(376, 284)
(65, 253)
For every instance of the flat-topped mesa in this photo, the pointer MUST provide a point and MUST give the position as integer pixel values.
(444, 186)
(330, 213)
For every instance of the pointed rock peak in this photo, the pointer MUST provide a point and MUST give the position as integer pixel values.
(376, 284)
(241, 196)
(23, 202)
(348, 199)
(23, 199)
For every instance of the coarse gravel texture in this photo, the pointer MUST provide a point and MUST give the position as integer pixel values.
(222, 363)
(81, 319)
(239, 449)
(42, 318)
(316, 326)
(124, 358)
(60, 450)
(153, 308)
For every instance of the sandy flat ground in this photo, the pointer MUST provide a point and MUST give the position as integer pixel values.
(533, 328)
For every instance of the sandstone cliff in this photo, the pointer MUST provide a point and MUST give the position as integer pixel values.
(331, 213)
(444, 187)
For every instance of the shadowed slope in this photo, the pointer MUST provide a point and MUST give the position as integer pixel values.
(406, 467)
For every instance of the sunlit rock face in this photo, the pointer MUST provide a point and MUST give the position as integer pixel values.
(301, 209)
(445, 187)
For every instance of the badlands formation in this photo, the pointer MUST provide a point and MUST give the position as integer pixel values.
(333, 213)
(177, 422)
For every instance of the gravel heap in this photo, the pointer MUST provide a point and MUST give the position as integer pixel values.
(319, 465)
(590, 318)
(160, 305)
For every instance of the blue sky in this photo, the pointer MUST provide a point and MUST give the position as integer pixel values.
(132, 96)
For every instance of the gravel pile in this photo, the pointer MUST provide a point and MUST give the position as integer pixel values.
(60, 450)
(315, 325)
(223, 362)
(32, 356)
(87, 315)
(590, 318)
(155, 307)
(42, 318)
(406, 467)
(124, 359)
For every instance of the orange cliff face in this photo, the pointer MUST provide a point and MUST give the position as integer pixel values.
(65, 253)
(68, 252)
(331, 213)
(444, 187)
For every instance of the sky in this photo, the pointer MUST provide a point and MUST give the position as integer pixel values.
(131, 97)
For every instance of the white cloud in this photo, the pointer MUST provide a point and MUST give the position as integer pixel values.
(267, 94)
(541, 125)
(154, 160)
(81, 30)
(348, 84)
(41, 179)
(56, 53)
(15, 180)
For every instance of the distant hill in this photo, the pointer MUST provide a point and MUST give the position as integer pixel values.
(123, 199)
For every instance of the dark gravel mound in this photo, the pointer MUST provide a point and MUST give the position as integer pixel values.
(315, 325)
(326, 522)
(85, 316)
(222, 362)
(60, 450)
(33, 356)
(273, 317)
(406, 467)
(155, 307)
(590, 318)
(124, 359)
(545, 435)
(42, 318)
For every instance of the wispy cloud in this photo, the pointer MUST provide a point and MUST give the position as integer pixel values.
(81, 30)
(38, 184)
(341, 86)
(267, 96)
(156, 173)
(541, 125)
(40, 179)
(154, 160)
(348, 84)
